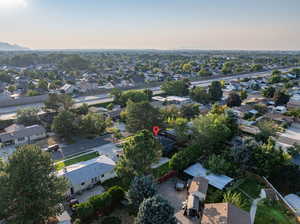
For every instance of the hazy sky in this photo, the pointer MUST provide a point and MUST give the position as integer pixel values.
(156, 24)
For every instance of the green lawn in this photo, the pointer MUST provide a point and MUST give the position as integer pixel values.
(68, 162)
(251, 186)
(273, 213)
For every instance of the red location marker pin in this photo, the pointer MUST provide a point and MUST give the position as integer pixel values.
(155, 130)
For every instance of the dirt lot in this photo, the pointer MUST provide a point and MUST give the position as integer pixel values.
(168, 192)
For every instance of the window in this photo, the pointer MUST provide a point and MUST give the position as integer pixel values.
(21, 139)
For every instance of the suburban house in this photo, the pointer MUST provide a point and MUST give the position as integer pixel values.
(294, 101)
(86, 174)
(177, 100)
(19, 134)
(224, 213)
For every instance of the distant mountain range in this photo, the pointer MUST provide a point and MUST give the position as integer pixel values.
(11, 47)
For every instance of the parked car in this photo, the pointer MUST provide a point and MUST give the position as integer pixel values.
(53, 148)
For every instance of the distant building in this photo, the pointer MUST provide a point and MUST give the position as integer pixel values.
(294, 101)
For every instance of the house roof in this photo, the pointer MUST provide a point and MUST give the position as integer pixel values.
(224, 213)
(294, 201)
(218, 181)
(20, 132)
(198, 184)
(86, 170)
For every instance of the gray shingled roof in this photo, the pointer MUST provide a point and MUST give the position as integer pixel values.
(85, 171)
(24, 132)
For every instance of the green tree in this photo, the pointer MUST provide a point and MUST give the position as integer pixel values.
(139, 153)
(187, 67)
(267, 129)
(217, 164)
(83, 109)
(204, 72)
(43, 84)
(180, 125)
(28, 116)
(256, 68)
(215, 91)
(200, 95)
(243, 94)
(170, 112)
(155, 210)
(59, 102)
(30, 191)
(281, 97)
(141, 188)
(233, 100)
(92, 124)
(64, 124)
(177, 87)
(12, 88)
(189, 111)
(141, 116)
(269, 92)
(211, 131)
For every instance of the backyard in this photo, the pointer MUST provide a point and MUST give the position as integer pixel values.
(273, 212)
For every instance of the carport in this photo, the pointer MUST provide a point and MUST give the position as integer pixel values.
(218, 181)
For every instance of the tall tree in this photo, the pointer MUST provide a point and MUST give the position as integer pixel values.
(141, 188)
(139, 153)
(141, 116)
(30, 191)
(215, 91)
(177, 88)
(233, 100)
(92, 124)
(155, 210)
(64, 124)
(281, 97)
(59, 102)
(28, 116)
(200, 95)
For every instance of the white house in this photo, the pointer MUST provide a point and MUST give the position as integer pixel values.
(19, 134)
(86, 174)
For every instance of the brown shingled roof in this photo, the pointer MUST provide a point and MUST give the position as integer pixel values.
(224, 213)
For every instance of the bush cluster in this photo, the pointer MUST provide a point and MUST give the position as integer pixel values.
(102, 203)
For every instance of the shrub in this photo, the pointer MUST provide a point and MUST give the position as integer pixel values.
(100, 203)
(184, 158)
(84, 210)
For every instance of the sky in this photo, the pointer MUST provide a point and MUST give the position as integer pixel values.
(152, 24)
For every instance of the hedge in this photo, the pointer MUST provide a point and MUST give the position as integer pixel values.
(102, 203)
(185, 157)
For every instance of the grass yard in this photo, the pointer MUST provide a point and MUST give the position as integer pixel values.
(251, 186)
(68, 162)
(273, 212)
